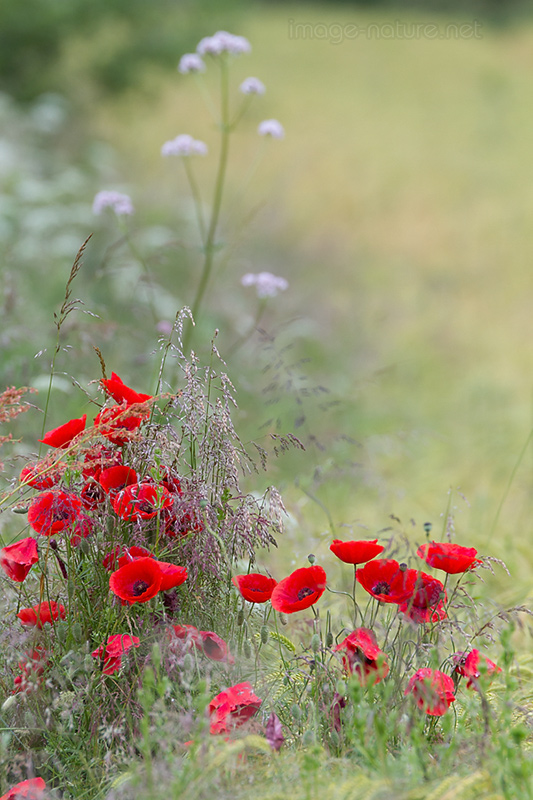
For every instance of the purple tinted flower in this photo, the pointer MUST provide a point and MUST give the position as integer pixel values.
(223, 42)
(120, 203)
(252, 86)
(184, 145)
(266, 284)
(191, 62)
(271, 127)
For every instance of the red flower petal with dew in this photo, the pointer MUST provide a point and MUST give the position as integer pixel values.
(356, 552)
(111, 652)
(300, 590)
(386, 580)
(141, 500)
(233, 707)
(433, 691)
(32, 789)
(450, 558)
(17, 559)
(114, 479)
(361, 654)
(118, 390)
(426, 604)
(254, 587)
(469, 667)
(138, 581)
(63, 436)
(51, 512)
(42, 613)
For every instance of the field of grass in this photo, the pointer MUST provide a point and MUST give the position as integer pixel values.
(398, 207)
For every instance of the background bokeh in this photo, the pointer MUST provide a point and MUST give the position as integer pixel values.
(398, 207)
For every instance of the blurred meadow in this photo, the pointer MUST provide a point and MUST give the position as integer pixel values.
(398, 207)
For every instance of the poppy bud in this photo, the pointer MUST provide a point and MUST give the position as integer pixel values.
(296, 712)
(77, 631)
(283, 619)
(315, 643)
(427, 528)
(247, 650)
(264, 634)
(188, 663)
(308, 739)
(329, 639)
(85, 547)
(311, 558)
(341, 687)
(61, 632)
(240, 617)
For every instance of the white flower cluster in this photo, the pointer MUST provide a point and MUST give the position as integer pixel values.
(184, 145)
(252, 86)
(266, 284)
(191, 62)
(120, 203)
(271, 127)
(223, 42)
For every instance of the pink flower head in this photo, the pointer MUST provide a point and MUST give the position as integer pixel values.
(223, 42)
(191, 62)
(272, 128)
(120, 203)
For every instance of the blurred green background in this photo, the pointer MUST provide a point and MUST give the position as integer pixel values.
(398, 207)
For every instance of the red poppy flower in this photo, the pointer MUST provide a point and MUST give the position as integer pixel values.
(118, 423)
(426, 604)
(450, 558)
(138, 581)
(41, 475)
(233, 707)
(433, 691)
(356, 552)
(42, 613)
(468, 666)
(386, 580)
(17, 559)
(111, 652)
(188, 634)
(63, 436)
(83, 527)
(300, 590)
(114, 479)
(32, 671)
(129, 554)
(141, 500)
(361, 654)
(172, 575)
(254, 587)
(92, 495)
(118, 390)
(51, 512)
(32, 789)
(99, 457)
(213, 646)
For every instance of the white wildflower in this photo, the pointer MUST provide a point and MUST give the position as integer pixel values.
(191, 62)
(271, 127)
(223, 42)
(252, 86)
(266, 284)
(184, 145)
(120, 203)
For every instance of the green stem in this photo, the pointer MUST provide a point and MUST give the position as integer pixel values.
(217, 199)
(509, 484)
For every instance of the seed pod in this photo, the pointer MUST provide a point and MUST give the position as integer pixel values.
(308, 739)
(85, 547)
(296, 712)
(282, 618)
(329, 639)
(264, 634)
(315, 643)
(77, 631)
(247, 649)
(240, 617)
(188, 663)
